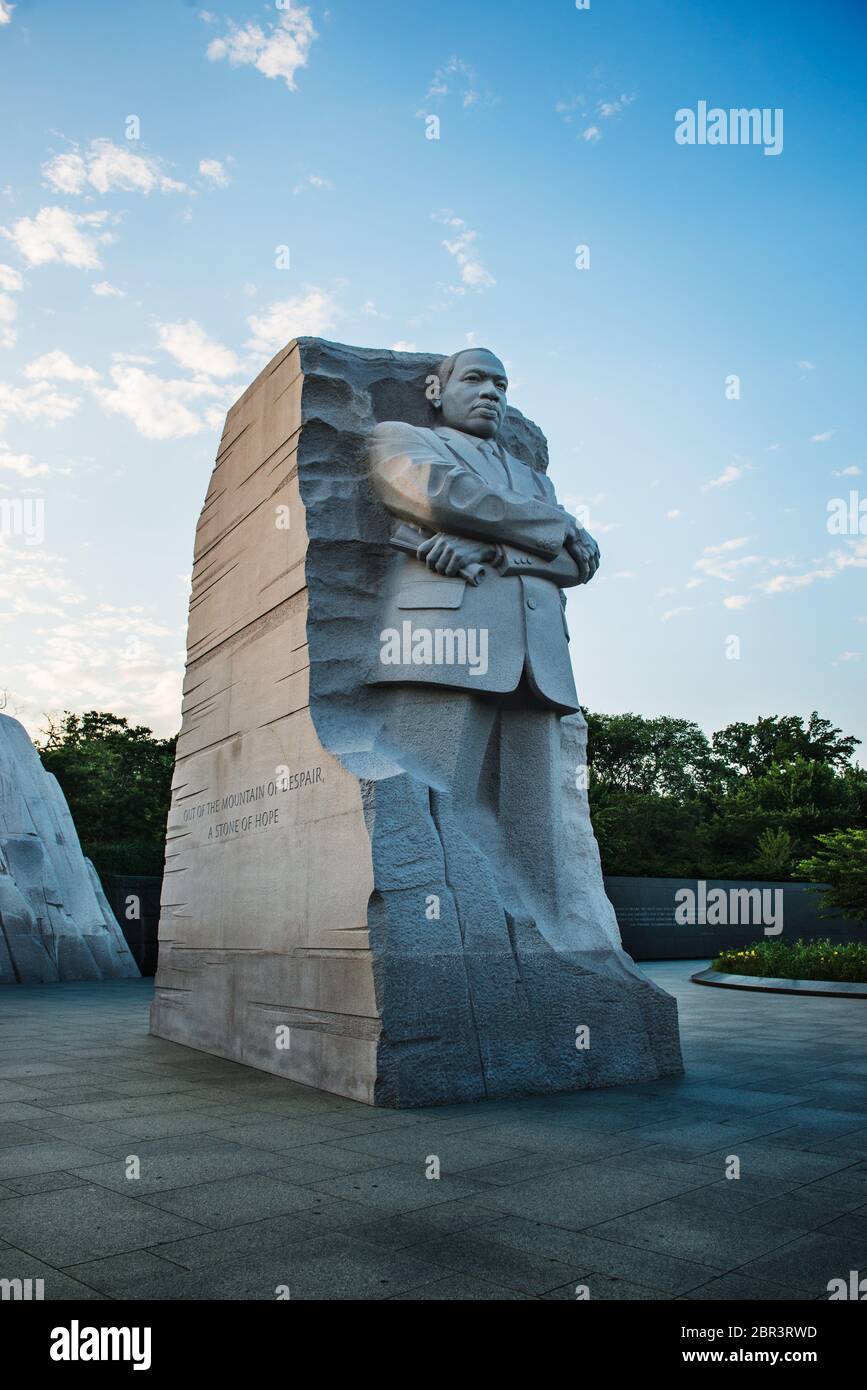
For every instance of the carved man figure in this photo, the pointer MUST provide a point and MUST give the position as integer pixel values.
(473, 631)
(477, 505)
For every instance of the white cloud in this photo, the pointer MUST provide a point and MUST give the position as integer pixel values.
(55, 234)
(853, 557)
(314, 181)
(736, 601)
(104, 289)
(455, 73)
(22, 464)
(567, 110)
(280, 52)
(214, 171)
(713, 564)
(473, 273)
(312, 314)
(822, 438)
(607, 109)
(805, 366)
(10, 279)
(58, 366)
(848, 656)
(189, 345)
(158, 407)
(37, 402)
(673, 515)
(401, 346)
(6, 12)
(853, 471)
(10, 283)
(108, 167)
(591, 134)
(729, 475)
(784, 583)
(675, 612)
(107, 657)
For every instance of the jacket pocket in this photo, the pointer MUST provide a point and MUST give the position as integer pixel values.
(432, 593)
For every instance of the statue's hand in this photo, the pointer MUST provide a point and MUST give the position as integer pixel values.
(584, 551)
(450, 554)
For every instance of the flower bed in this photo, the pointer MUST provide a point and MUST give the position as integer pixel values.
(797, 960)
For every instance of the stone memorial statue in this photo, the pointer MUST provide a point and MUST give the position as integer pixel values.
(55, 921)
(381, 876)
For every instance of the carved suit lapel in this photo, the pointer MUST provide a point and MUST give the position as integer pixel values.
(522, 478)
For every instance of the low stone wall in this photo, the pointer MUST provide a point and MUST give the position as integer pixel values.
(646, 911)
(135, 902)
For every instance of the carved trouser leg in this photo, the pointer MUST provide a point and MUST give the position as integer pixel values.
(498, 761)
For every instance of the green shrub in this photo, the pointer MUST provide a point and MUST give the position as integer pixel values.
(798, 960)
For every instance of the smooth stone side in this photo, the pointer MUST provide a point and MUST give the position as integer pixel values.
(300, 944)
(55, 921)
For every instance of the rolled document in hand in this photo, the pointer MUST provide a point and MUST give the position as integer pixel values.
(409, 538)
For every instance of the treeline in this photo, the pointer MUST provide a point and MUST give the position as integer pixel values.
(780, 798)
(750, 802)
(117, 779)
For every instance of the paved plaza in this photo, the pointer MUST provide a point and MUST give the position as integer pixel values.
(251, 1187)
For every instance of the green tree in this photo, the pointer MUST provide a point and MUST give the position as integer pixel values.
(841, 862)
(117, 780)
(773, 739)
(747, 804)
(774, 853)
(664, 756)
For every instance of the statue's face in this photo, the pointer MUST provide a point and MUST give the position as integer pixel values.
(474, 399)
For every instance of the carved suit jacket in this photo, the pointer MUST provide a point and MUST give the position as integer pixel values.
(437, 480)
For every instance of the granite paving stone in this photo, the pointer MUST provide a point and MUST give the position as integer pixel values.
(233, 1201)
(80, 1223)
(249, 1181)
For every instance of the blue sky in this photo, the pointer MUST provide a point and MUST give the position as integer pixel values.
(139, 294)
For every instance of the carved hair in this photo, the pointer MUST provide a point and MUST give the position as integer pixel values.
(448, 364)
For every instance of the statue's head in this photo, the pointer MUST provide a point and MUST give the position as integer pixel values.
(473, 386)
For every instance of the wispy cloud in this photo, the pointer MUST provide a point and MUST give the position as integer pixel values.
(314, 181)
(22, 464)
(729, 475)
(720, 561)
(854, 556)
(214, 170)
(457, 78)
(11, 283)
(462, 246)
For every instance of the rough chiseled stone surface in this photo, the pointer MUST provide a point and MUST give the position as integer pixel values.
(55, 922)
(316, 920)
